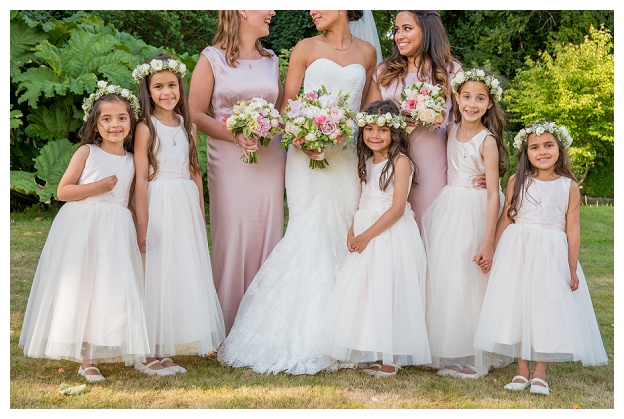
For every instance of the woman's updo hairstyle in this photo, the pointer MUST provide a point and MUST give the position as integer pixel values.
(354, 15)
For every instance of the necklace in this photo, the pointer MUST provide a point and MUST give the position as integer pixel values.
(339, 49)
(461, 133)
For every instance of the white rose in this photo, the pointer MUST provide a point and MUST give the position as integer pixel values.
(539, 131)
(125, 92)
(157, 65)
(381, 121)
(101, 84)
(494, 83)
(480, 73)
(182, 68)
(427, 116)
(111, 88)
(350, 123)
(172, 64)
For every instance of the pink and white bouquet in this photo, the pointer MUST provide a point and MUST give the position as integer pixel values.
(318, 120)
(255, 118)
(424, 104)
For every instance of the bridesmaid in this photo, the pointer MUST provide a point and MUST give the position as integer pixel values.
(421, 53)
(246, 200)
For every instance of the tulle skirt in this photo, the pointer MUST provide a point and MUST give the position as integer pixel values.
(453, 231)
(86, 297)
(529, 311)
(376, 310)
(182, 311)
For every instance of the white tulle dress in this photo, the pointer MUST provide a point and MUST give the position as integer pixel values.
(376, 310)
(453, 231)
(86, 299)
(277, 327)
(182, 311)
(529, 311)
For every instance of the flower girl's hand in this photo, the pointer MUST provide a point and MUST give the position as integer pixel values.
(107, 184)
(479, 181)
(574, 281)
(359, 243)
(483, 258)
(350, 238)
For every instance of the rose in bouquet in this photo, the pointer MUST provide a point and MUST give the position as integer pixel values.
(318, 120)
(255, 118)
(424, 103)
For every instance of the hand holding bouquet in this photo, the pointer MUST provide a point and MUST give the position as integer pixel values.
(423, 102)
(316, 121)
(257, 119)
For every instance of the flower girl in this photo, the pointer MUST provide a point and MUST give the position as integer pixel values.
(537, 305)
(376, 311)
(182, 311)
(458, 228)
(86, 302)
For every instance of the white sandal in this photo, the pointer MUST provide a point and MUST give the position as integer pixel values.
(513, 386)
(175, 367)
(91, 378)
(473, 376)
(145, 369)
(540, 389)
(369, 370)
(450, 371)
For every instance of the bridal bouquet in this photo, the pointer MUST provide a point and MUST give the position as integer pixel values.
(318, 120)
(424, 104)
(255, 118)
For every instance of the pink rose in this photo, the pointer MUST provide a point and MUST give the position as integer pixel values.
(319, 120)
(327, 127)
(424, 91)
(311, 95)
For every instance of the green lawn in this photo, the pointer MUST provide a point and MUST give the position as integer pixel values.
(34, 383)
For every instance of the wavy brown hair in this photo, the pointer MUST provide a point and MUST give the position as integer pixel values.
(227, 37)
(399, 145)
(353, 15)
(181, 108)
(89, 133)
(526, 171)
(495, 121)
(434, 52)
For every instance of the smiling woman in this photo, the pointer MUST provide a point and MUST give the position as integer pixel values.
(246, 200)
(421, 54)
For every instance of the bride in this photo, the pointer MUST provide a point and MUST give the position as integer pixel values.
(277, 326)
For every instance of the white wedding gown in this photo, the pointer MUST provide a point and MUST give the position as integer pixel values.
(277, 327)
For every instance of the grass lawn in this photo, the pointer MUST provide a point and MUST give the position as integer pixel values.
(34, 383)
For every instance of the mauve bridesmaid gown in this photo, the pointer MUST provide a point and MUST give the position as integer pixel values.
(427, 150)
(246, 200)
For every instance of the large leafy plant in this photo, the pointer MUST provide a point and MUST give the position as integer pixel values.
(54, 65)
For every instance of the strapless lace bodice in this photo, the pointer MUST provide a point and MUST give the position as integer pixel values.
(349, 79)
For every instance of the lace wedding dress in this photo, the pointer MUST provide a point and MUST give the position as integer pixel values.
(277, 327)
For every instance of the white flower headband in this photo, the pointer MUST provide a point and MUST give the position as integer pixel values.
(561, 132)
(155, 66)
(103, 89)
(396, 121)
(478, 75)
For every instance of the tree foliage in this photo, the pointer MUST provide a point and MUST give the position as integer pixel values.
(573, 86)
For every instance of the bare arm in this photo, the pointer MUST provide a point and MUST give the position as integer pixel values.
(141, 164)
(200, 96)
(573, 232)
(402, 172)
(503, 220)
(199, 181)
(68, 188)
(490, 158)
(296, 71)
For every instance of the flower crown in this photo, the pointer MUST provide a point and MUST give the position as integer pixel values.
(155, 66)
(476, 74)
(561, 132)
(103, 89)
(395, 121)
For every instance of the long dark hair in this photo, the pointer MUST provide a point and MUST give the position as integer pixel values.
(399, 145)
(181, 108)
(526, 171)
(89, 133)
(434, 52)
(495, 121)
